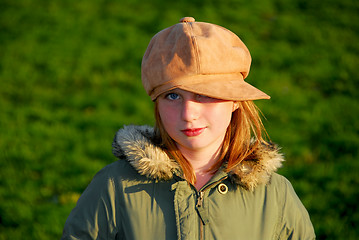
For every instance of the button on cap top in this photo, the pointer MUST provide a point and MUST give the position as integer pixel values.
(187, 19)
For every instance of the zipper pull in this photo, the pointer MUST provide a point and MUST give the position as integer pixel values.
(200, 210)
(199, 199)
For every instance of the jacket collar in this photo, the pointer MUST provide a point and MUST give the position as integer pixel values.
(136, 145)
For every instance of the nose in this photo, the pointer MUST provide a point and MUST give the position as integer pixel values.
(190, 110)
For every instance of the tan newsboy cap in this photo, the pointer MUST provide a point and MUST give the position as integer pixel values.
(199, 57)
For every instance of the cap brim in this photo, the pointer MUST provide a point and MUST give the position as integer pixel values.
(226, 87)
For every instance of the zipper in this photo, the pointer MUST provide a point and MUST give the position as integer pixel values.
(200, 229)
(199, 199)
(200, 195)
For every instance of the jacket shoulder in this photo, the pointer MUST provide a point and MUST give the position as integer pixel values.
(96, 214)
(294, 221)
(118, 171)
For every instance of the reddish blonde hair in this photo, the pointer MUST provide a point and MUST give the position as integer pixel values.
(243, 135)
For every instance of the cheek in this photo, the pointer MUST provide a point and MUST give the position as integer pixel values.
(167, 115)
(223, 115)
(225, 119)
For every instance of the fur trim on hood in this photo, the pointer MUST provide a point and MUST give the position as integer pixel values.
(136, 145)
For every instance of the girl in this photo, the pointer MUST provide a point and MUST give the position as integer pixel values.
(205, 171)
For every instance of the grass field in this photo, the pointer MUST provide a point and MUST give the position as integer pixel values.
(70, 77)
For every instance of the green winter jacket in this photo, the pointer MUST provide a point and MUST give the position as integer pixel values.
(143, 196)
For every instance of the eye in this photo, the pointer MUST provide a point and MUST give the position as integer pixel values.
(172, 96)
(203, 98)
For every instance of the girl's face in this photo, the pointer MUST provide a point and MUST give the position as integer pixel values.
(195, 122)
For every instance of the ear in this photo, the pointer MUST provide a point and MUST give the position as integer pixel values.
(235, 106)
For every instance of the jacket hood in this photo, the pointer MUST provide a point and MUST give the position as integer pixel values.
(136, 144)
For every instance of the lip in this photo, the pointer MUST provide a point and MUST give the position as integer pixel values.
(192, 132)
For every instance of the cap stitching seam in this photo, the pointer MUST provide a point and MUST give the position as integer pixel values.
(195, 47)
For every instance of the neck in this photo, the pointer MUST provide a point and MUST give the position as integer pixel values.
(201, 161)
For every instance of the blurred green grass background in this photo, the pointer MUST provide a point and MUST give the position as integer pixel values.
(70, 77)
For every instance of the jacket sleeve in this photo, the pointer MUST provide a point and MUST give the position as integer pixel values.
(94, 216)
(294, 221)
